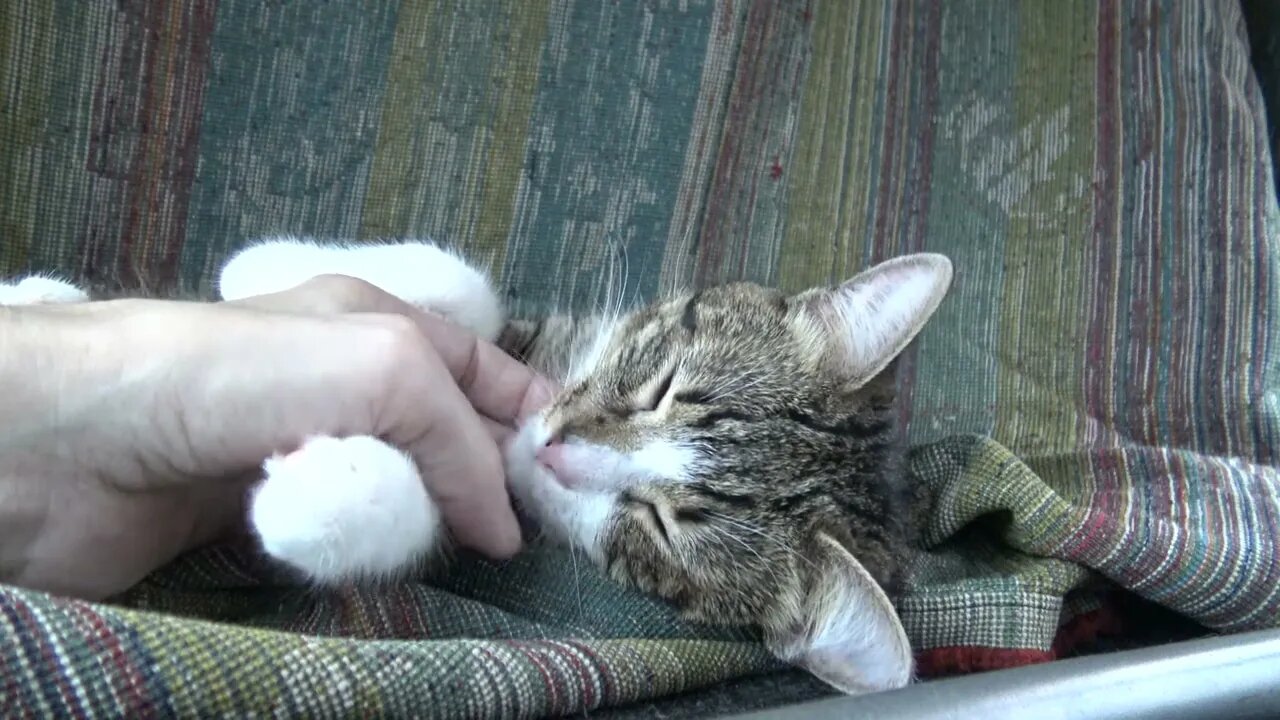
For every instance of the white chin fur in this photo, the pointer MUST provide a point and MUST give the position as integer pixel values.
(345, 509)
(421, 274)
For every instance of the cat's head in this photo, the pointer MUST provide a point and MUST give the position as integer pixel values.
(733, 451)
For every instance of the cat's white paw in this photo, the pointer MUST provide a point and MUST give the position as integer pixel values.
(421, 274)
(40, 290)
(345, 509)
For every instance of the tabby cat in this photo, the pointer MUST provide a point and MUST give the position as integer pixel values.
(732, 450)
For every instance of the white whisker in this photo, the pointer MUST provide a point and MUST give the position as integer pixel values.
(757, 531)
(720, 533)
(577, 580)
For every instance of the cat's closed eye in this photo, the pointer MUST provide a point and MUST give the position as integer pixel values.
(650, 513)
(694, 397)
(667, 387)
(692, 515)
(666, 525)
(660, 393)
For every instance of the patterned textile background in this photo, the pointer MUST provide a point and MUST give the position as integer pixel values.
(1096, 405)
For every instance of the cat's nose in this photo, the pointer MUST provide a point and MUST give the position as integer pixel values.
(549, 453)
(552, 457)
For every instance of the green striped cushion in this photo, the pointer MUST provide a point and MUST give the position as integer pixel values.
(1095, 405)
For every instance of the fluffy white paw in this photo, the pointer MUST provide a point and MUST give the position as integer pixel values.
(421, 274)
(345, 509)
(39, 290)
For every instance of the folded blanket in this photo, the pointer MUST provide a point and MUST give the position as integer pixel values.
(1095, 407)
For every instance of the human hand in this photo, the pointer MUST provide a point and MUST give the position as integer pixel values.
(135, 427)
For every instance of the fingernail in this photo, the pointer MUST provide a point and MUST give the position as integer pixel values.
(510, 542)
(541, 394)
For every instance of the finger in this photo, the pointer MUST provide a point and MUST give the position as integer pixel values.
(540, 394)
(497, 385)
(499, 432)
(461, 465)
(458, 457)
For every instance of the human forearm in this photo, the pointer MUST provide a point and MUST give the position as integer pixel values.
(44, 351)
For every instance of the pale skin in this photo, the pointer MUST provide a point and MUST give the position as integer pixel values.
(130, 430)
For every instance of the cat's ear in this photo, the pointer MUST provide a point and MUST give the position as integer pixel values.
(865, 322)
(847, 633)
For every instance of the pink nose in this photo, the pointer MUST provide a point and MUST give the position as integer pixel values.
(550, 454)
(552, 457)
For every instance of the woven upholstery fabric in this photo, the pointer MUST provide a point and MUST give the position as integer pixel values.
(1095, 406)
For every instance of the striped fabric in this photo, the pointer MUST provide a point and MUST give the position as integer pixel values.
(1095, 406)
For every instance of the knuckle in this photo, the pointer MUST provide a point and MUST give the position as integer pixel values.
(396, 374)
(342, 293)
(397, 341)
